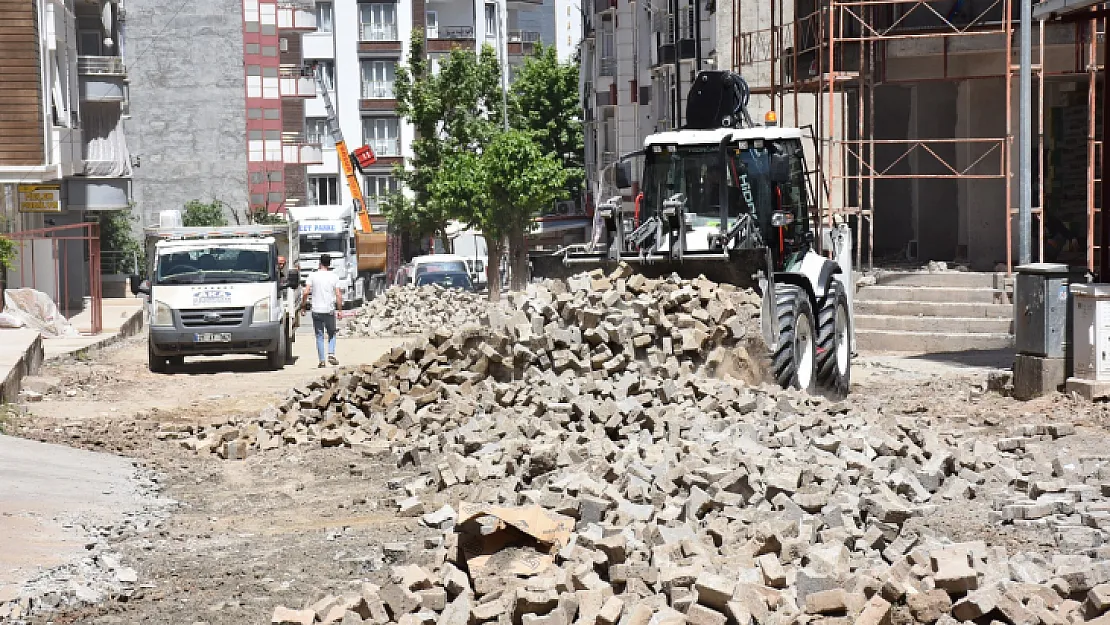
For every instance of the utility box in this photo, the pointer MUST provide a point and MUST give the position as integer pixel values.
(1041, 309)
(1091, 331)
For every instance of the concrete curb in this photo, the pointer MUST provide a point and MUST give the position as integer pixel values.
(130, 328)
(28, 364)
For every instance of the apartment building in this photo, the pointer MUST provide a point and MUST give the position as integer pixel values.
(218, 103)
(358, 46)
(638, 58)
(63, 96)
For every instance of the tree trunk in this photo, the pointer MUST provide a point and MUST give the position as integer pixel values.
(445, 241)
(494, 249)
(518, 260)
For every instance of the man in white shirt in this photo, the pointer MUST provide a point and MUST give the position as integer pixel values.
(323, 291)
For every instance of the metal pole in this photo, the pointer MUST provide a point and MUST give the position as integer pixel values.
(677, 68)
(504, 53)
(1025, 131)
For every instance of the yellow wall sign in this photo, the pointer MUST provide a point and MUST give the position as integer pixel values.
(40, 198)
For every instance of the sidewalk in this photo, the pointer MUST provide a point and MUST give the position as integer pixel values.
(22, 351)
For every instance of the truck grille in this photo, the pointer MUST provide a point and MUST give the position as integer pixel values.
(213, 317)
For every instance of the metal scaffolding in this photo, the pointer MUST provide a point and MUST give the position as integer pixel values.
(838, 51)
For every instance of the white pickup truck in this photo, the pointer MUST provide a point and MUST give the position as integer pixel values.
(215, 291)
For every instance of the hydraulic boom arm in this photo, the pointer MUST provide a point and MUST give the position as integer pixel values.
(344, 156)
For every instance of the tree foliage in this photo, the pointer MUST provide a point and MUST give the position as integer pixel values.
(264, 217)
(454, 110)
(545, 101)
(124, 252)
(7, 253)
(500, 191)
(210, 214)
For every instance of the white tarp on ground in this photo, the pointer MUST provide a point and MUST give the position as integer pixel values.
(37, 311)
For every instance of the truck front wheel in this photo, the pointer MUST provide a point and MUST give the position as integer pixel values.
(834, 337)
(276, 359)
(794, 361)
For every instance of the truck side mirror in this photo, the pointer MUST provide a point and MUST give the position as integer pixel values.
(780, 168)
(623, 174)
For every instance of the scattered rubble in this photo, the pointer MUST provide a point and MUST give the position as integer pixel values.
(409, 310)
(602, 452)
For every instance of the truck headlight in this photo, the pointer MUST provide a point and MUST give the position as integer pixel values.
(162, 315)
(261, 311)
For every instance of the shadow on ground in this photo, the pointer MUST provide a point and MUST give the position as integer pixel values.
(992, 358)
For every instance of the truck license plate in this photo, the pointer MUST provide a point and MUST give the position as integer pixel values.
(213, 337)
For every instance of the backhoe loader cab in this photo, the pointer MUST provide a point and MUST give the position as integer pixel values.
(731, 203)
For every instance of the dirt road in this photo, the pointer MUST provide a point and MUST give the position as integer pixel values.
(302, 522)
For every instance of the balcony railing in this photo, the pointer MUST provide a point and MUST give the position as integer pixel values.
(455, 33)
(524, 36)
(385, 147)
(297, 150)
(323, 139)
(297, 82)
(101, 65)
(296, 15)
(377, 90)
(607, 66)
(378, 32)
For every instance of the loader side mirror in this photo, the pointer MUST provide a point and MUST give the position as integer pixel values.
(623, 174)
(293, 280)
(780, 168)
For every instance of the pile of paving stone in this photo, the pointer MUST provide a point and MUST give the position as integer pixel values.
(412, 310)
(583, 468)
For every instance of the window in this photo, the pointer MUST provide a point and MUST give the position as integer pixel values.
(273, 114)
(316, 131)
(254, 146)
(267, 12)
(491, 20)
(383, 134)
(431, 21)
(323, 17)
(377, 188)
(378, 22)
(377, 79)
(273, 145)
(323, 190)
(254, 81)
(271, 87)
(254, 113)
(254, 48)
(326, 67)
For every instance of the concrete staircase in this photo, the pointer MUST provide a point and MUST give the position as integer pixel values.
(934, 312)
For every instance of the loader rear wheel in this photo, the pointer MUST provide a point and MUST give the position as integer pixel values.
(834, 343)
(794, 362)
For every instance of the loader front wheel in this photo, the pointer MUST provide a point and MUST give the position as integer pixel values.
(794, 361)
(834, 343)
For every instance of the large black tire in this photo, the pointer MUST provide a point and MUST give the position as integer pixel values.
(156, 364)
(794, 362)
(276, 359)
(834, 343)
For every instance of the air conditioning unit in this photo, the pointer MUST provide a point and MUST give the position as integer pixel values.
(566, 207)
(283, 44)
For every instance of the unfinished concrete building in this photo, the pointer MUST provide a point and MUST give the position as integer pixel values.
(914, 107)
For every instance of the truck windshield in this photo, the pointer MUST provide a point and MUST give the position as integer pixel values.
(441, 266)
(320, 243)
(216, 264)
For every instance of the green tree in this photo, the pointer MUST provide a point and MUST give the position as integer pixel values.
(455, 110)
(122, 252)
(502, 190)
(262, 216)
(7, 253)
(211, 214)
(545, 101)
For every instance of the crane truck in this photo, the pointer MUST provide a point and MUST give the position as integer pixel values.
(370, 245)
(331, 230)
(730, 200)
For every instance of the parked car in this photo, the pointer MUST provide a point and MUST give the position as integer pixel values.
(447, 279)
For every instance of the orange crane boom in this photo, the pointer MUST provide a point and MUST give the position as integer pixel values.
(371, 246)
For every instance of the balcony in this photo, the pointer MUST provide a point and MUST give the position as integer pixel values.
(95, 194)
(607, 66)
(385, 147)
(378, 90)
(324, 140)
(377, 31)
(102, 78)
(297, 150)
(447, 38)
(296, 82)
(296, 16)
(601, 6)
(523, 42)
